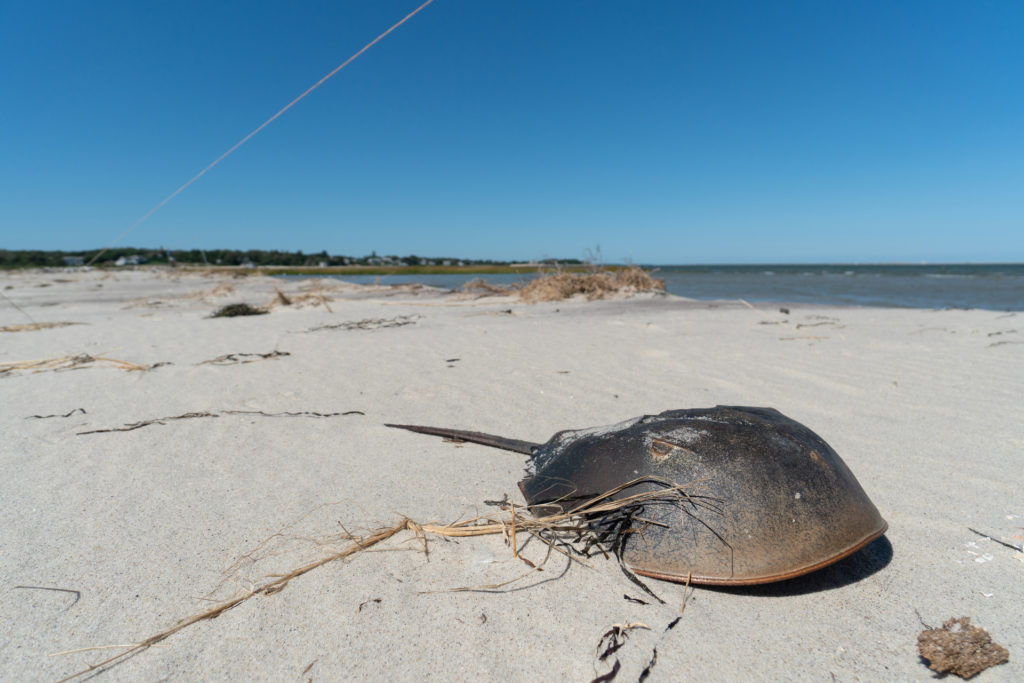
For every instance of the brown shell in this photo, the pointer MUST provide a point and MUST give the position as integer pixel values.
(771, 501)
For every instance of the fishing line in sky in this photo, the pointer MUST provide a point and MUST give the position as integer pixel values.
(263, 125)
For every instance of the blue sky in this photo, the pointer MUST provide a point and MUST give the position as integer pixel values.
(664, 132)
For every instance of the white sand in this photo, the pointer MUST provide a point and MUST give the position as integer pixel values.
(924, 406)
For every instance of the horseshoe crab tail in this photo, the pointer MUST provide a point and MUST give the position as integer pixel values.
(514, 445)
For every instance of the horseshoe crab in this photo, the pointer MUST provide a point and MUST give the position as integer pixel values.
(775, 500)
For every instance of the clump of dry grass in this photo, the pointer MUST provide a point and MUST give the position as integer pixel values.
(597, 525)
(71, 363)
(597, 285)
(31, 327)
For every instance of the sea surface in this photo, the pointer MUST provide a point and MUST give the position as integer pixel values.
(989, 286)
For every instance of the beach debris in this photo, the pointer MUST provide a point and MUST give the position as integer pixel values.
(760, 472)
(630, 598)
(610, 676)
(960, 648)
(315, 296)
(75, 411)
(29, 327)
(145, 423)
(610, 643)
(369, 323)
(597, 285)
(303, 413)
(615, 637)
(650, 665)
(190, 416)
(242, 358)
(76, 362)
(367, 602)
(235, 310)
(834, 324)
(572, 534)
(1013, 546)
(77, 594)
(482, 288)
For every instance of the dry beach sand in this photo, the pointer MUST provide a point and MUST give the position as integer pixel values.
(281, 454)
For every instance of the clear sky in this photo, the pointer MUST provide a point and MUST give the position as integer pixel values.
(666, 132)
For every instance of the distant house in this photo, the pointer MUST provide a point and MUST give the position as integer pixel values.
(133, 260)
(247, 264)
(74, 260)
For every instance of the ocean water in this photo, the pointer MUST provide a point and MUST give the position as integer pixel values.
(989, 286)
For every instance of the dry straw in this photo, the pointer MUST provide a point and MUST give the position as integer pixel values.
(597, 525)
(597, 285)
(560, 285)
(82, 360)
(31, 327)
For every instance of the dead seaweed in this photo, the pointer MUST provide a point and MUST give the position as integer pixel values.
(269, 588)
(189, 416)
(73, 363)
(562, 531)
(47, 417)
(145, 423)
(597, 285)
(612, 640)
(242, 358)
(367, 602)
(610, 676)
(235, 310)
(650, 665)
(304, 413)
(369, 323)
(615, 637)
(31, 327)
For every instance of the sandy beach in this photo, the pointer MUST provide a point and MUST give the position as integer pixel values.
(118, 523)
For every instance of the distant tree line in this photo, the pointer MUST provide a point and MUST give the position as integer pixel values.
(10, 258)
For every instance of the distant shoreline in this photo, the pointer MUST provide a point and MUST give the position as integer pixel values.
(515, 269)
(524, 269)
